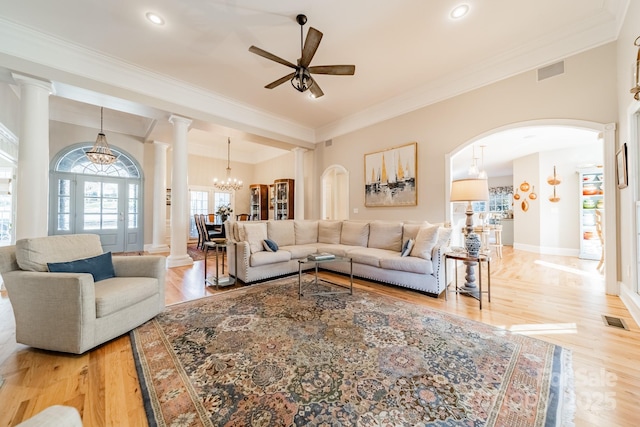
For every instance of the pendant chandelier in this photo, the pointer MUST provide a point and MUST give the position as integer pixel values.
(231, 184)
(101, 154)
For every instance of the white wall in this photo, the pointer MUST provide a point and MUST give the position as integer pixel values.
(627, 227)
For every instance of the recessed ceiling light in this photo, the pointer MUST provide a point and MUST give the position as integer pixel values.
(154, 18)
(459, 11)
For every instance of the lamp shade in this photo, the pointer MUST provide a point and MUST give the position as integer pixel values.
(469, 190)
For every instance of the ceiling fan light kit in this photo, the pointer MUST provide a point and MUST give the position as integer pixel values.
(301, 78)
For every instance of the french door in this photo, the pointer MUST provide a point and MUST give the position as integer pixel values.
(106, 206)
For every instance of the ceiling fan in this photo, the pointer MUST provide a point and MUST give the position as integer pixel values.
(301, 78)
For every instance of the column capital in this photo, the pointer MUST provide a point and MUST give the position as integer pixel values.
(174, 119)
(299, 150)
(23, 80)
(161, 144)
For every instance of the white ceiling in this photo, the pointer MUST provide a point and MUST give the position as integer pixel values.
(408, 54)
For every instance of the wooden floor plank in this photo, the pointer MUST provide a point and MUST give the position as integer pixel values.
(556, 299)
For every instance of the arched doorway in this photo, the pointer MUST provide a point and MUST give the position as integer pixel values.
(606, 132)
(98, 199)
(335, 193)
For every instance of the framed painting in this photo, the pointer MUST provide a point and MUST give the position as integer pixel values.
(621, 166)
(391, 177)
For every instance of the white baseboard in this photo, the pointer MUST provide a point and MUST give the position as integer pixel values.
(631, 300)
(546, 250)
(156, 249)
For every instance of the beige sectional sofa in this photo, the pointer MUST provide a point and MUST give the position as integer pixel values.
(375, 247)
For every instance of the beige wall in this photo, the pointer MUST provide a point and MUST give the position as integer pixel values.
(587, 91)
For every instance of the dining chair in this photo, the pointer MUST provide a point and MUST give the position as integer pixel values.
(243, 217)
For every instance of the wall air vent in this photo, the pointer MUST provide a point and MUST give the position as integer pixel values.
(614, 322)
(550, 70)
(328, 143)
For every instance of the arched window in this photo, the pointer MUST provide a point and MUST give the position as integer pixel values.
(75, 161)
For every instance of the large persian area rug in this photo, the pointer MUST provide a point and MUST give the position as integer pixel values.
(259, 356)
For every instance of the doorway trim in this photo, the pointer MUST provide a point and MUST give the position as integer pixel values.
(333, 170)
(608, 133)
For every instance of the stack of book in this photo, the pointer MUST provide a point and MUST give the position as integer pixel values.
(320, 256)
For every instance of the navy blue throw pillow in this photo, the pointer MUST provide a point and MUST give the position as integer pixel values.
(101, 267)
(270, 245)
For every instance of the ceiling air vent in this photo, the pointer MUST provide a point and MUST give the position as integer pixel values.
(550, 70)
(328, 143)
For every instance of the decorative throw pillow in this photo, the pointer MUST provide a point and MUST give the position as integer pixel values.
(425, 242)
(408, 245)
(100, 267)
(270, 245)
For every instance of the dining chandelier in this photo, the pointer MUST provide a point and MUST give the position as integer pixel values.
(231, 184)
(101, 154)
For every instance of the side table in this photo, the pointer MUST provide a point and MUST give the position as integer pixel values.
(218, 281)
(464, 256)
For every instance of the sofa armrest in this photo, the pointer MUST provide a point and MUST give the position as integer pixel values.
(143, 266)
(238, 255)
(437, 258)
(56, 311)
(140, 266)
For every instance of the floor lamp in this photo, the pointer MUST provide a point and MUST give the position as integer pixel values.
(470, 190)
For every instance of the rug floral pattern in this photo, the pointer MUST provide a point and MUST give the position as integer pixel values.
(259, 356)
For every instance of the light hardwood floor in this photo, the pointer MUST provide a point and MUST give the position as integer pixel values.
(553, 298)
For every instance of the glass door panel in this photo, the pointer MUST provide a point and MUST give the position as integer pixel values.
(102, 211)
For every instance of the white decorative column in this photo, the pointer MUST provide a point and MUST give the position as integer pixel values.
(179, 194)
(299, 184)
(159, 244)
(32, 174)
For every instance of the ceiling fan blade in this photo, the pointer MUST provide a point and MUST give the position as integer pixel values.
(279, 81)
(315, 90)
(271, 56)
(336, 70)
(311, 44)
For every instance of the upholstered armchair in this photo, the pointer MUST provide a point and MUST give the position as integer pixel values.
(70, 311)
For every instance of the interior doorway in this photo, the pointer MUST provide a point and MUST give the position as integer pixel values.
(105, 200)
(544, 230)
(335, 193)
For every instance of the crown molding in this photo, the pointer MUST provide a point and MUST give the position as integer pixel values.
(44, 56)
(598, 30)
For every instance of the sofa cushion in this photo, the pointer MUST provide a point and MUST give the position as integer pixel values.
(337, 250)
(406, 248)
(355, 233)
(33, 254)
(281, 232)
(410, 230)
(117, 293)
(306, 232)
(255, 233)
(299, 251)
(329, 231)
(385, 235)
(100, 267)
(269, 245)
(444, 236)
(264, 258)
(409, 264)
(369, 256)
(425, 242)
